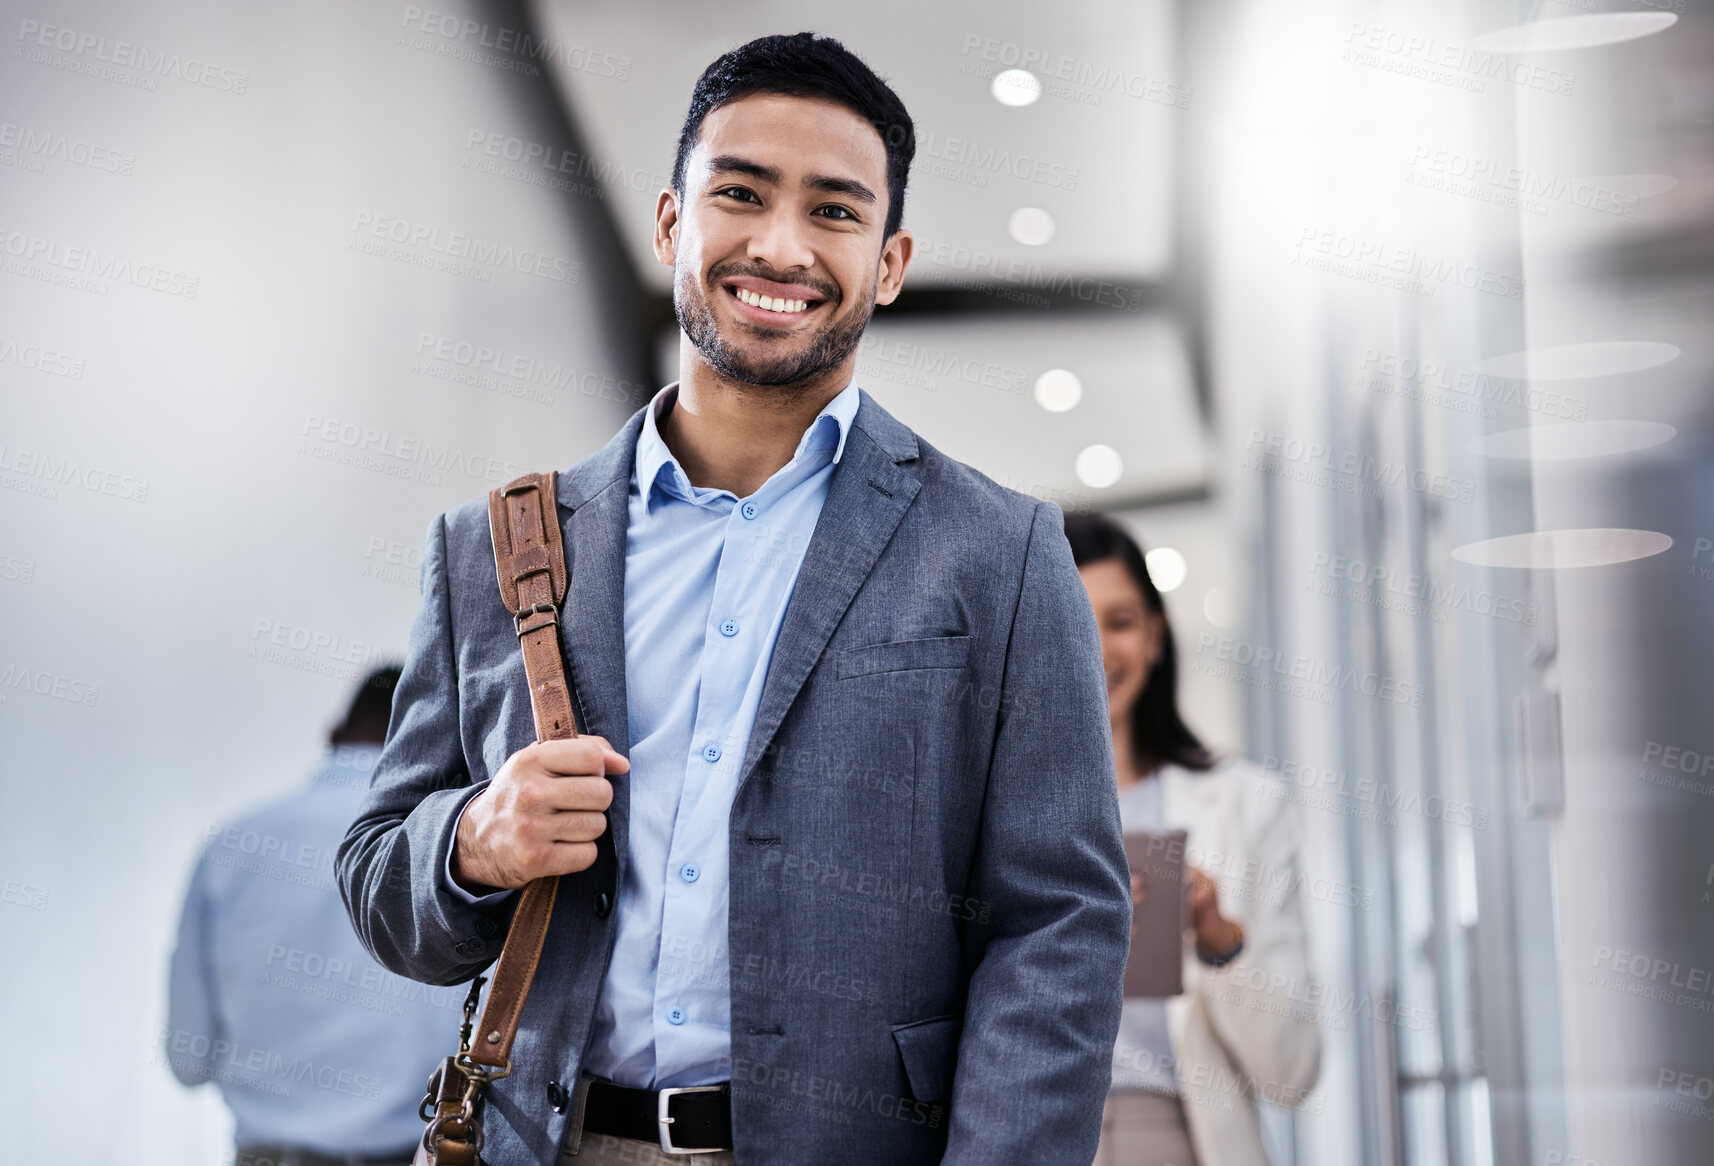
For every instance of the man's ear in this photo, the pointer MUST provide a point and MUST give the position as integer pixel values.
(895, 257)
(666, 227)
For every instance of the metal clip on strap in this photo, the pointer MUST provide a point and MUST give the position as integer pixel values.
(526, 622)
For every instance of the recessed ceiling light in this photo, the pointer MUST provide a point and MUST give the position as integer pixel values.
(1573, 32)
(1573, 439)
(1559, 549)
(1099, 466)
(1219, 606)
(1630, 185)
(1167, 568)
(1015, 87)
(1566, 362)
(1058, 390)
(1031, 226)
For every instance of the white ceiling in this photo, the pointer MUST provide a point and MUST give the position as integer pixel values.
(1107, 153)
(1114, 223)
(966, 384)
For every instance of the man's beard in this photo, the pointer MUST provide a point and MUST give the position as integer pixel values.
(828, 349)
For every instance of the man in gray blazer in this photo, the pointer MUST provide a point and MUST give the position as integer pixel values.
(840, 839)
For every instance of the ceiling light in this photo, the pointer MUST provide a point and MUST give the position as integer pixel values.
(1030, 226)
(1631, 185)
(1099, 466)
(1015, 87)
(1573, 32)
(1166, 567)
(1058, 390)
(1559, 549)
(1600, 358)
(1219, 606)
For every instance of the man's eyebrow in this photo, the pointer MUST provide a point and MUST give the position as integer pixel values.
(736, 163)
(834, 185)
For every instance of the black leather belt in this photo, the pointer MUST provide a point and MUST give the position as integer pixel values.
(695, 1119)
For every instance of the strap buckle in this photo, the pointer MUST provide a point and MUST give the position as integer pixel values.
(480, 1074)
(523, 614)
(666, 1120)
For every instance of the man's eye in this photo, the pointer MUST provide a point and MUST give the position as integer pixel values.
(848, 216)
(740, 191)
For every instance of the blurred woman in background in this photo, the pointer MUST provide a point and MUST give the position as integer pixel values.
(1189, 1070)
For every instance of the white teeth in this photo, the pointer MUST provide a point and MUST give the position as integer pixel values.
(770, 303)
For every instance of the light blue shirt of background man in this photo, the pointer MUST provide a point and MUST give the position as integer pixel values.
(313, 1044)
(707, 579)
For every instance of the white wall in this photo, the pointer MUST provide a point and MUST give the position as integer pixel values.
(145, 601)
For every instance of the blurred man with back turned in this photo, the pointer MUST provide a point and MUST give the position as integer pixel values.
(841, 845)
(319, 1053)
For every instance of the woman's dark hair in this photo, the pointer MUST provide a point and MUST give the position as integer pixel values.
(1158, 734)
(806, 65)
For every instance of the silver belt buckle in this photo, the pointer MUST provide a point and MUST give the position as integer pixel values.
(666, 1120)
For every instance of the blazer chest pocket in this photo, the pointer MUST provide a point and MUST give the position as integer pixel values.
(904, 656)
(929, 1050)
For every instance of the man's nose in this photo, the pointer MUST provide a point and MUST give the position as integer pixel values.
(781, 241)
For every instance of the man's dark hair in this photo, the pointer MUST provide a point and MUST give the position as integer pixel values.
(366, 720)
(806, 65)
(1158, 734)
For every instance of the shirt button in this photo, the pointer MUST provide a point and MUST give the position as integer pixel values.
(711, 753)
(676, 1016)
(729, 628)
(690, 872)
(748, 510)
(603, 905)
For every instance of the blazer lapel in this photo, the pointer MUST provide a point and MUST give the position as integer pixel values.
(866, 497)
(592, 512)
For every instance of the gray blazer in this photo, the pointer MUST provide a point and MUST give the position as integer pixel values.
(930, 910)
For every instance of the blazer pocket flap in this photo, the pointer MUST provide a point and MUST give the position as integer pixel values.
(929, 1049)
(905, 655)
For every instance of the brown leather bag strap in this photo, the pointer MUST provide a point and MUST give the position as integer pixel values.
(529, 559)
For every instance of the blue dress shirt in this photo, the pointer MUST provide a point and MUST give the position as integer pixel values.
(312, 1043)
(707, 579)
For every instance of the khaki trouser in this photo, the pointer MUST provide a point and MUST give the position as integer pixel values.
(1143, 1129)
(1137, 1129)
(601, 1149)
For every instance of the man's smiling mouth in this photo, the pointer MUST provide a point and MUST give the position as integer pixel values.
(762, 305)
